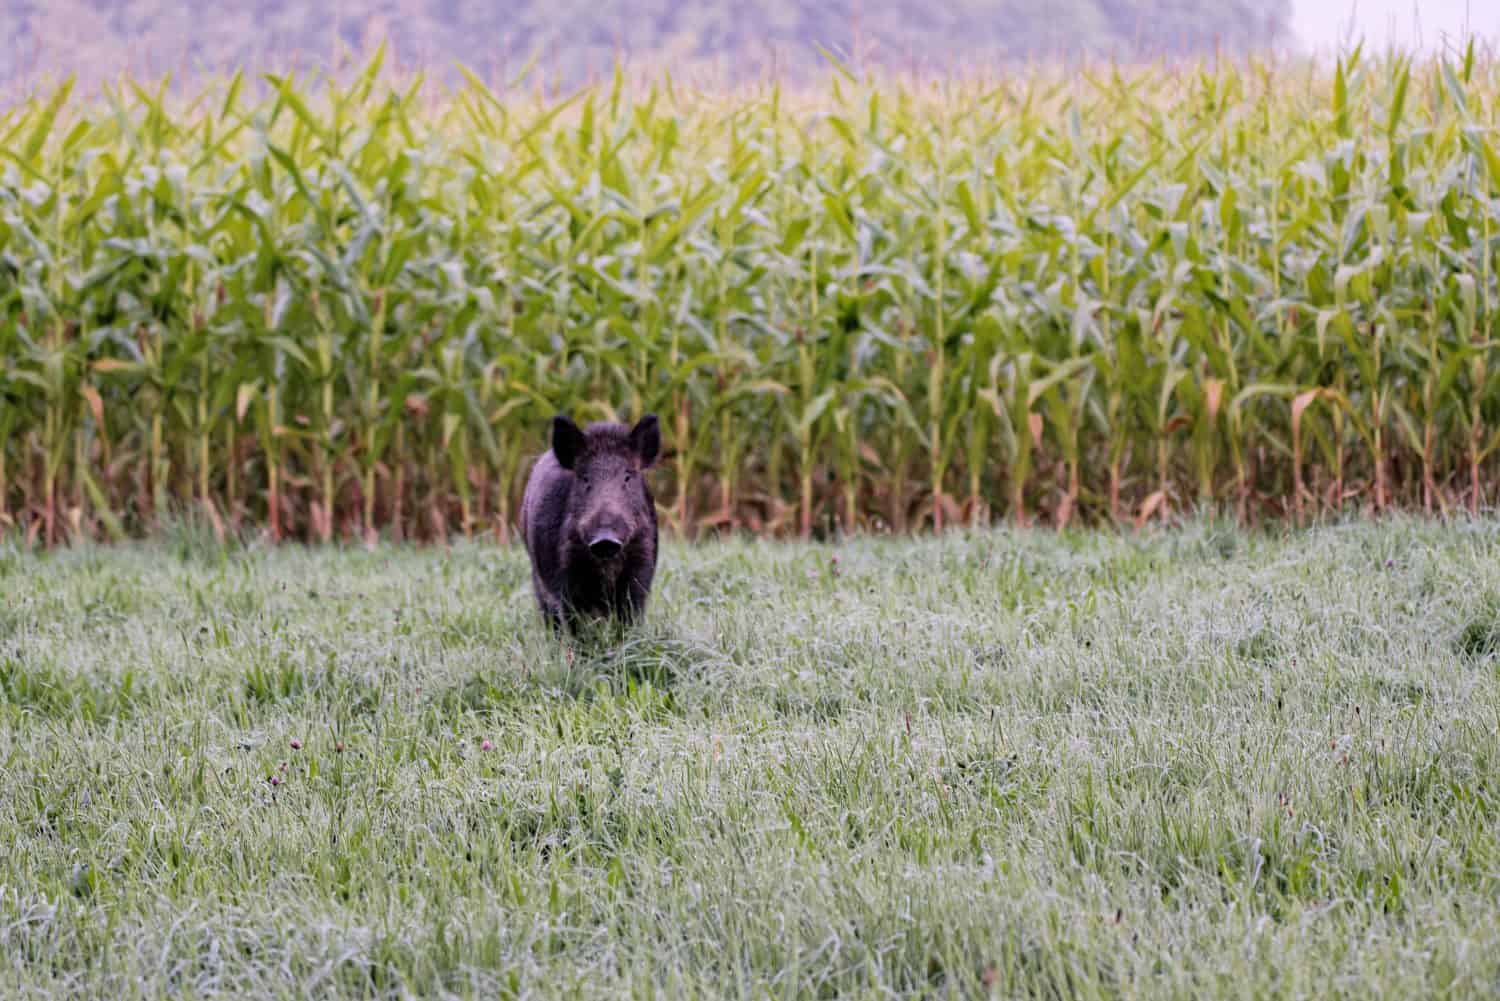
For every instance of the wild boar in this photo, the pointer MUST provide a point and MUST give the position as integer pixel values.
(589, 521)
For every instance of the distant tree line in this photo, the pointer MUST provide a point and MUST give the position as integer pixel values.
(572, 39)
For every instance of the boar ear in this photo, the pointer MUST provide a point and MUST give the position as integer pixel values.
(567, 441)
(645, 438)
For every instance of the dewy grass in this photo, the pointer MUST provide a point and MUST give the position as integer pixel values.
(1196, 764)
(345, 310)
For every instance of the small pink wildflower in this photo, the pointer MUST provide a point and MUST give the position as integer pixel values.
(276, 780)
(487, 746)
(296, 745)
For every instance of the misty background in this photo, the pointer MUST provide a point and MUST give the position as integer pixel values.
(574, 40)
(1423, 25)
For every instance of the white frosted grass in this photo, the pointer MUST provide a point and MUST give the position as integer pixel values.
(1198, 764)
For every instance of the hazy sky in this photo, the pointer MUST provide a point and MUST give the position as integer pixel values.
(1321, 24)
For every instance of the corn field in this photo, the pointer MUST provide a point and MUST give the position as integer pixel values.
(348, 309)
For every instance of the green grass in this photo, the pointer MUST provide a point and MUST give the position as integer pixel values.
(1199, 764)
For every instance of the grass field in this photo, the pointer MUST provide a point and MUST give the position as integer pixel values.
(1200, 764)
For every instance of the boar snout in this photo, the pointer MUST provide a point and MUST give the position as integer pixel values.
(605, 546)
(608, 530)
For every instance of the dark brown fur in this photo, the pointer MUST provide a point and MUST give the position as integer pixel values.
(589, 521)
